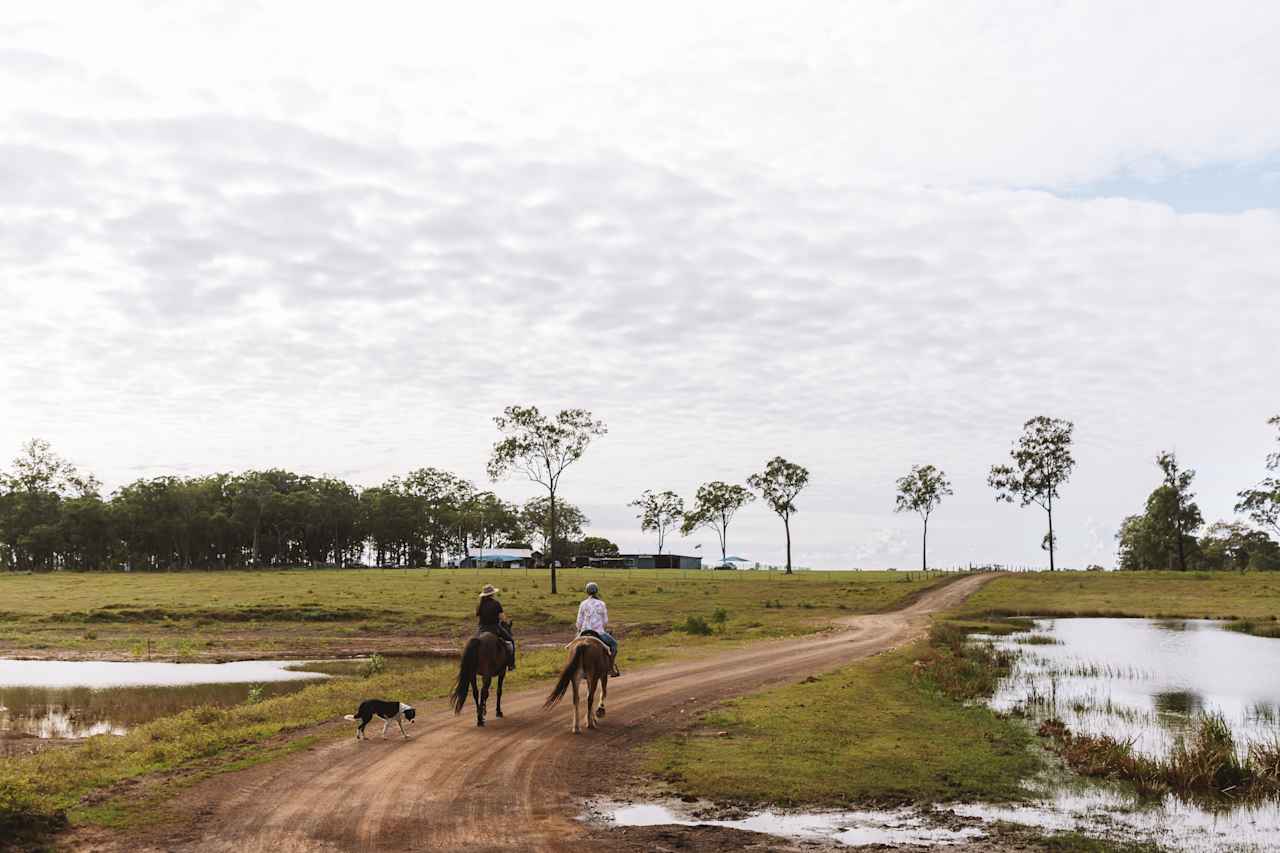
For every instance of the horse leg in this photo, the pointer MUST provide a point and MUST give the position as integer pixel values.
(592, 680)
(577, 726)
(475, 697)
(604, 693)
(497, 711)
(484, 697)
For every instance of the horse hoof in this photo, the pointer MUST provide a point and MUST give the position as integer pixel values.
(498, 715)
(600, 713)
(480, 723)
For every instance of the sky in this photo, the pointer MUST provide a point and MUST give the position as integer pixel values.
(340, 239)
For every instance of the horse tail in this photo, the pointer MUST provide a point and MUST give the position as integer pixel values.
(466, 672)
(567, 676)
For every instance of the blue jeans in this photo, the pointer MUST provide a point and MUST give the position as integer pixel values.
(609, 641)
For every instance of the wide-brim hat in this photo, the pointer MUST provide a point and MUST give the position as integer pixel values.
(489, 589)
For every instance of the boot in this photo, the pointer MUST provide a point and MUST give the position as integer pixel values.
(613, 662)
(511, 664)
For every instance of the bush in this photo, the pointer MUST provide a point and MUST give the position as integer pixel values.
(720, 616)
(695, 625)
(375, 665)
(256, 694)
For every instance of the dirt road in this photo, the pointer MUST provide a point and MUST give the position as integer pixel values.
(513, 784)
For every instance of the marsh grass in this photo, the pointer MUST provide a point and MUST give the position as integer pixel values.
(1206, 765)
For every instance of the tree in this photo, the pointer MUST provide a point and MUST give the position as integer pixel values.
(1237, 546)
(594, 546)
(1042, 463)
(715, 505)
(1138, 544)
(544, 526)
(779, 484)
(659, 513)
(438, 498)
(1262, 503)
(542, 448)
(921, 491)
(1180, 514)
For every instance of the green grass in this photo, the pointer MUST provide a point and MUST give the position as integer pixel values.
(1217, 595)
(49, 611)
(880, 731)
(194, 615)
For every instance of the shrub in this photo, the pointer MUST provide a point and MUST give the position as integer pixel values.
(256, 694)
(696, 625)
(375, 665)
(720, 616)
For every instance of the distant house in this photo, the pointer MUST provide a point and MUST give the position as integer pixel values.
(640, 561)
(504, 558)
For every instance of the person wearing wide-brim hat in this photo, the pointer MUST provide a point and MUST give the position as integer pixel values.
(492, 618)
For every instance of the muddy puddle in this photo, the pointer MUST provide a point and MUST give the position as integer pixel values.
(69, 700)
(853, 828)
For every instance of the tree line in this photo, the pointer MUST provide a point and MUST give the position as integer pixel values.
(52, 516)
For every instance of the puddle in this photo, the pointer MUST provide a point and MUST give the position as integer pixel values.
(55, 700)
(853, 829)
(101, 674)
(1105, 812)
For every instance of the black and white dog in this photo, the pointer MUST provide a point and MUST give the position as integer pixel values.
(386, 711)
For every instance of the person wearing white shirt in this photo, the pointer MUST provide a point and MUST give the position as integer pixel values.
(594, 616)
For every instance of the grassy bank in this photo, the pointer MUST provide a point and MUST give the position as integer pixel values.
(221, 615)
(1254, 596)
(890, 729)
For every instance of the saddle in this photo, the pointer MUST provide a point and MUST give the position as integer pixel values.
(587, 632)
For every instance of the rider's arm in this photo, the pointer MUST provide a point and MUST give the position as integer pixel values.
(581, 607)
(604, 613)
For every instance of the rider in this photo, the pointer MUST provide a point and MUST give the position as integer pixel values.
(489, 612)
(594, 616)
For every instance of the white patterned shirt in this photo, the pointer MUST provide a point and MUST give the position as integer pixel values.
(592, 615)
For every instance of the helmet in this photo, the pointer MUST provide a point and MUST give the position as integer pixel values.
(592, 589)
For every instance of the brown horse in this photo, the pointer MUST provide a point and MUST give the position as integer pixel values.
(588, 661)
(486, 655)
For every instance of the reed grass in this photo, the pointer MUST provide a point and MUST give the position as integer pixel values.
(1205, 765)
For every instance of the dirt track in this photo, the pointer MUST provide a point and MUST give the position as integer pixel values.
(511, 785)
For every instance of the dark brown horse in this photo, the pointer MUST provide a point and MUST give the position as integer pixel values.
(588, 661)
(486, 656)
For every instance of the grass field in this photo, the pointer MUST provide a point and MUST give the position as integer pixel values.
(875, 732)
(202, 615)
(1252, 596)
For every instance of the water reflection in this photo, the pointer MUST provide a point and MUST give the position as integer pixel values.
(853, 829)
(78, 712)
(76, 699)
(1146, 680)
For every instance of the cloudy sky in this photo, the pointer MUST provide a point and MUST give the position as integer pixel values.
(862, 236)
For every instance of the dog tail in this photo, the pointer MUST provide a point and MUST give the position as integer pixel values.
(466, 672)
(567, 676)
(351, 717)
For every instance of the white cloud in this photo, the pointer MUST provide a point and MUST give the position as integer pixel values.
(264, 236)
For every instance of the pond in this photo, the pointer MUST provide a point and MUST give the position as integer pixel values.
(54, 700)
(1144, 680)
(1147, 681)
